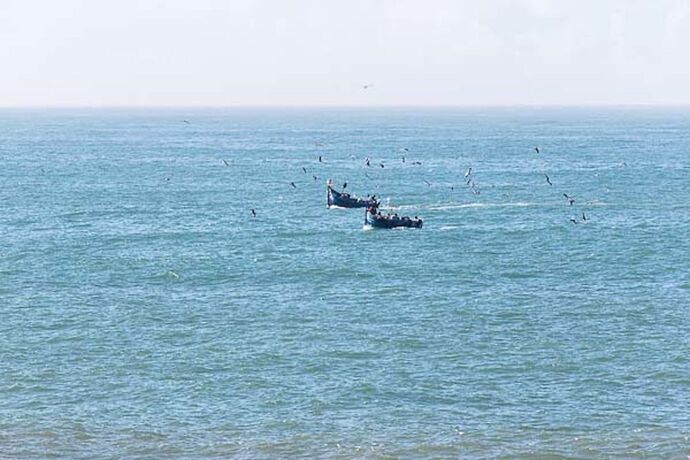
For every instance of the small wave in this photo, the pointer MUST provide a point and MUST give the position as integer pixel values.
(596, 203)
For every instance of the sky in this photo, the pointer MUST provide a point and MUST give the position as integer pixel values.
(323, 52)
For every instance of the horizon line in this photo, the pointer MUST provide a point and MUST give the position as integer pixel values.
(338, 106)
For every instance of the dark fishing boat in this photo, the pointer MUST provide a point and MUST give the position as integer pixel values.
(377, 220)
(344, 200)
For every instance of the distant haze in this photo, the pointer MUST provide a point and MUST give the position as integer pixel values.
(311, 52)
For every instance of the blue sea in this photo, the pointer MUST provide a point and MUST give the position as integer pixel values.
(145, 313)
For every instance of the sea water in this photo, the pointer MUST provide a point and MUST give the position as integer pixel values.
(144, 312)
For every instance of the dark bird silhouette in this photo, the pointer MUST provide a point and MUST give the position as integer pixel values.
(417, 163)
(403, 158)
(536, 149)
(367, 161)
(469, 171)
(547, 179)
(427, 182)
(315, 178)
(381, 164)
(573, 220)
(293, 185)
(226, 162)
(344, 185)
(320, 159)
(185, 121)
(584, 218)
(304, 169)
(570, 199)
(253, 213)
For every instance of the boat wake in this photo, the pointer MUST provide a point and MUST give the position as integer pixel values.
(443, 206)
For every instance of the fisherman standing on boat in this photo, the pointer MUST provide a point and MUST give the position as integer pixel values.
(373, 207)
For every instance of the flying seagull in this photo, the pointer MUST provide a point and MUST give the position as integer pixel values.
(536, 149)
(304, 169)
(584, 218)
(344, 185)
(293, 184)
(320, 159)
(469, 171)
(547, 179)
(253, 213)
(226, 162)
(573, 220)
(570, 199)
(427, 182)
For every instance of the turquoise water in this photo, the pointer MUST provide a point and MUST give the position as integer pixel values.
(145, 313)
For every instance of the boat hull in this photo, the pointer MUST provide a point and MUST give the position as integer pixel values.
(340, 200)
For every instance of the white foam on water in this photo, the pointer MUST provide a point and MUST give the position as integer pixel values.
(596, 203)
(440, 207)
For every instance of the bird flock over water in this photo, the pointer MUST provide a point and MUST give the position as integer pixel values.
(468, 177)
(570, 200)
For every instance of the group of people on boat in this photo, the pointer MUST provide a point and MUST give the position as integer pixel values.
(376, 218)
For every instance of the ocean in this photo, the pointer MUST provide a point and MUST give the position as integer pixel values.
(147, 314)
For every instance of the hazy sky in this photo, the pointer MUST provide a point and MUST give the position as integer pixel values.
(311, 52)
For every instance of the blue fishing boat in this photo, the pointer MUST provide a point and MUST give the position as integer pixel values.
(374, 218)
(344, 200)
